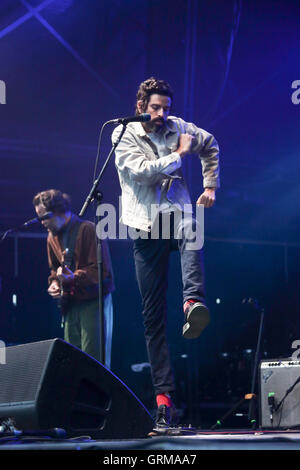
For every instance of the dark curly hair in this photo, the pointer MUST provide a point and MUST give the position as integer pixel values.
(149, 87)
(53, 200)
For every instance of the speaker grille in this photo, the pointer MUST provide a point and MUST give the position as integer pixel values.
(22, 373)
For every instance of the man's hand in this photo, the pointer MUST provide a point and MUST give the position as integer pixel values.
(207, 198)
(65, 275)
(54, 289)
(185, 143)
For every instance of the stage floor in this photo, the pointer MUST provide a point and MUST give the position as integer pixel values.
(198, 440)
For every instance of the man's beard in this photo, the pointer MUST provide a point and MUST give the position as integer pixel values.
(156, 125)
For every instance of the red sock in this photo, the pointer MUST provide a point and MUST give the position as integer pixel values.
(188, 303)
(163, 399)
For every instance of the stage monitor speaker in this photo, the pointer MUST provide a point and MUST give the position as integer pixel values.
(279, 400)
(52, 384)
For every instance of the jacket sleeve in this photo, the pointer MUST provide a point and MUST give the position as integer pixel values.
(86, 270)
(207, 148)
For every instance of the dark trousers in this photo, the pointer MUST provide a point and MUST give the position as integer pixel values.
(151, 263)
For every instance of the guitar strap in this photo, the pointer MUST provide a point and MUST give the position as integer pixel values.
(68, 239)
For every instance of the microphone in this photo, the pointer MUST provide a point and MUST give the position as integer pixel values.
(139, 118)
(46, 216)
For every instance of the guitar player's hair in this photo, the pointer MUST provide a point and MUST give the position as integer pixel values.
(53, 200)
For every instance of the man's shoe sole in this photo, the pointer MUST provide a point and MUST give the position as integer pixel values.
(197, 320)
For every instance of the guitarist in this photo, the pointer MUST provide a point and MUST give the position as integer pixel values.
(73, 241)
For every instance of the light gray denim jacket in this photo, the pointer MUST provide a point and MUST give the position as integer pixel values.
(143, 174)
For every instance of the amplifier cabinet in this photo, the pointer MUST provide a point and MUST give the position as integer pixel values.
(279, 393)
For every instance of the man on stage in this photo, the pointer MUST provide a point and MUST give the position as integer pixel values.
(73, 280)
(148, 160)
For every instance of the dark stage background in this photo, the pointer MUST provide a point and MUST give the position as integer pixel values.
(70, 65)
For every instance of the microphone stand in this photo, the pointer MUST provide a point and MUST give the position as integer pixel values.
(250, 396)
(3, 236)
(251, 416)
(93, 195)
